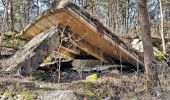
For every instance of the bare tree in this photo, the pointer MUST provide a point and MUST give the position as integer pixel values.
(5, 15)
(4, 21)
(12, 15)
(149, 59)
(28, 6)
(38, 9)
(161, 27)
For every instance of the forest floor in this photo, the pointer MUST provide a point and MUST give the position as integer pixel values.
(111, 84)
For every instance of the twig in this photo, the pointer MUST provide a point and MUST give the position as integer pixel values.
(62, 35)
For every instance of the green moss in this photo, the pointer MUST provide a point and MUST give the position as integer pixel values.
(84, 89)
(159, 55)
(92, 90)
(29, 95)
(9, 34)
(8, 94)
(14, 42)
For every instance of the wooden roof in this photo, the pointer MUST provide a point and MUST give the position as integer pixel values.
(96, 39)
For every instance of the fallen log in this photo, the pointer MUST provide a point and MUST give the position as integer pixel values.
(34, 52)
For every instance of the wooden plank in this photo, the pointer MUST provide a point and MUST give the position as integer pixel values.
(90, 49)
(40, 26)
(79, 63)
(34, 52)
(98, 67)
(33, 29)
(106, 44)
(46, 23)
(66, 54)
(52, 18)
(69, 50)
(96, 37)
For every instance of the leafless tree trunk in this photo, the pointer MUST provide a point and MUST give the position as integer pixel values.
(5, 15)
(25, 14)
(4, 21)
(127, 17)
(161, 27)
(38, 9)
(28, 10)
(20, 20)
(149, 60)
(12, 15)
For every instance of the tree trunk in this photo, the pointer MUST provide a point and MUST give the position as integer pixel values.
(38, 9)
(161, 27)
(4, 21)
(25, 14)
(127, 17)
(28, 11)
(5, 15)
(150, 69)
(12, 15)
(20, 20)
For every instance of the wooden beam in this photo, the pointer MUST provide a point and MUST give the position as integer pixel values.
(79, 63)
(89, 49)
(34, 52)
(69, 50)
(66, 54)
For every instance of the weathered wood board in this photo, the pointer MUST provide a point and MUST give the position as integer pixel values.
(34, 52)
(79, 63)
(107, 45)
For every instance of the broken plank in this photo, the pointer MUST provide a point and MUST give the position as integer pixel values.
(79, 63)
(66, 54)
(34, 52)
(98, 68)
(69, 50)
(89, 49)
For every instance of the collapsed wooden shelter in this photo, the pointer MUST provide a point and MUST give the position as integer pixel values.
(87, 34)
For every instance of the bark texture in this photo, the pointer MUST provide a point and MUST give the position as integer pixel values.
(150, 68)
